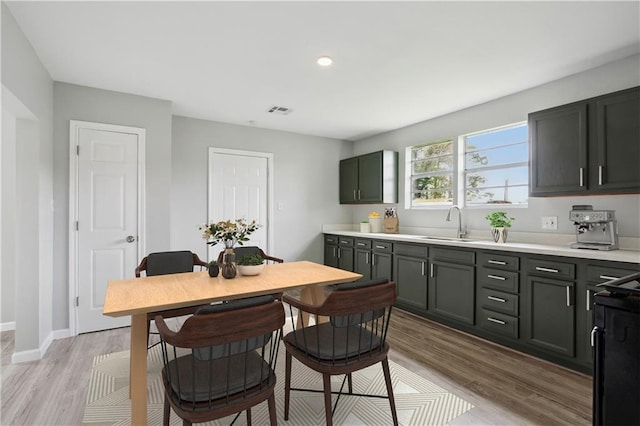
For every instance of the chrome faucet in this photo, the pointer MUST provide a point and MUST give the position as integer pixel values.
(461, 232)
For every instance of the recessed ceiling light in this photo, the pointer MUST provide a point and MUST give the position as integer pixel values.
(324, 61)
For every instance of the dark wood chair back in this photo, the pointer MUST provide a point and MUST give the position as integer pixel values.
(352, 338)
(249, 250)
(222, 361)
(170, 262)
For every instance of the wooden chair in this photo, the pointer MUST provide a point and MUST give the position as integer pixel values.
(229, 365)
(249, 250)
(354, 338)
(169, 262)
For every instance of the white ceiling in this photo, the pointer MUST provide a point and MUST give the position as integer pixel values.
(395, 63)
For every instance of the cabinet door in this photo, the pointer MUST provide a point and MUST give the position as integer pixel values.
(411, 282)
(345, 258)
(349, 181)
(331, 251)
(558, 139)
(452, 291)
(362, 263)
(381, 265)
(618, 142)
(550, 315)
(370, 178)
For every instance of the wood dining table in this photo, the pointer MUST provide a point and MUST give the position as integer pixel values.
(138, 297)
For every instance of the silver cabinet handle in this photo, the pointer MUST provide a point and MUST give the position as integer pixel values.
(339, 253)
(497, 321)
(131, 239)
(373, 259)
(361, 244)
(496, 262)
(380, 247)
(366, 259)
(423, 265)
(600, 175)
(581, 176)
(497, 299)
(539, 268)
(358, 194)
(432, 270)
(354, 194)
(607, 277)
(496, 277)
(568, 296)
(588, 300)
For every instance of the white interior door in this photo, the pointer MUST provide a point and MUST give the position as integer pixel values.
(107, 218)
(239, 188)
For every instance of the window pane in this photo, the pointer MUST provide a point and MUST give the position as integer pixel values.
(432, 149)
(498, 177)
(431, 189)
(498, 137)
(508, 195)
(497, 157)
(437, 164)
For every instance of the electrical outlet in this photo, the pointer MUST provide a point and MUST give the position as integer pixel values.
(549, 222)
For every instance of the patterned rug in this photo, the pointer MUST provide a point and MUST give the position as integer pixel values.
(418, 401)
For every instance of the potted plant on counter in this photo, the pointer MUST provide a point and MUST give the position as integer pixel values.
(500, 222)
(251, 264)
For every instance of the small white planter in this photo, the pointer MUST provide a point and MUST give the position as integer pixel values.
(499, 235)
(250, 269)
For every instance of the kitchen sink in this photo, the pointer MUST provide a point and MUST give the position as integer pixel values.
(445, 239)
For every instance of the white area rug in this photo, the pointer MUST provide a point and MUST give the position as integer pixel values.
(418, 401)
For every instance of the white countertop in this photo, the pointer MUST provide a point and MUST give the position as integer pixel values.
(629, 256)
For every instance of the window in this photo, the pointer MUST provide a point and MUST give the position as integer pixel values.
(482, 168)
(497, 166)
(432, 173)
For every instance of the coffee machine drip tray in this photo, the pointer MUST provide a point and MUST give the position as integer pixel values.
(593, 246)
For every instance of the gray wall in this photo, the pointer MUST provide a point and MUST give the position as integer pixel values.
(24, 76)
(511, 109)
(74, 102)
(305, 183)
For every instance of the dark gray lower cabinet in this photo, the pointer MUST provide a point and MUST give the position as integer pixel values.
(411, 282)
(362, 258)
(550, 315)
(452, 291)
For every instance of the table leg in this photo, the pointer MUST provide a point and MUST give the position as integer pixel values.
(138, 372)
(313, 295)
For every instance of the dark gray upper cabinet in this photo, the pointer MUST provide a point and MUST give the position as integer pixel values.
(587, 147)
(370, 178)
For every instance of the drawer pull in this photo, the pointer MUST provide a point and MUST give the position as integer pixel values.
(344, 242)
(497, 299)
(496, 262)
(381, 247)
(497, 321)
(540, 268)
(496, 277)
(607, 277)
(361, 244)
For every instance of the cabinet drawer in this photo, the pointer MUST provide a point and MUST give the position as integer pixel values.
(600, 274)
(363, 244)
(413, 250)
(499, 323)
(551, 269)
(498, 301)
(499, 261)
(499, 280)
(330, 239)
(457, 256)
(345, 242)
(383, 246)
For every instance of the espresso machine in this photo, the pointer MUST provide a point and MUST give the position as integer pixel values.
(595, 229)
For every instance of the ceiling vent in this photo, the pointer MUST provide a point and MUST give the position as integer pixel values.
(275, 109)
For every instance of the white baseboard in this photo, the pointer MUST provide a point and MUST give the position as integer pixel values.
(37, 354)
(8, 326)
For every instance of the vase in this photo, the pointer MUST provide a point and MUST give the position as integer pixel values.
(214, 271)
(229, 269)
(499, 235)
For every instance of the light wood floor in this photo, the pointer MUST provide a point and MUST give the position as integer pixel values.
(506, 387)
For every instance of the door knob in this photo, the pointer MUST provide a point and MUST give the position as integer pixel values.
(131, 239)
